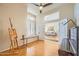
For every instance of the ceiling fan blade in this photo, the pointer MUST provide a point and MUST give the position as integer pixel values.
(35, 4)
(47, 4)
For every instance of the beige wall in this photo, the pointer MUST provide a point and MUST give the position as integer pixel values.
(0, 27)
(67, 11)
(18, 14)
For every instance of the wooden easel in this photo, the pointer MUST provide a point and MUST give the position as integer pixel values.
(13, 36)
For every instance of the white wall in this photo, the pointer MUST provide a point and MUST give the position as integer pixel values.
(32, 9)
(65, 11)
(18, 14)
(40, 26)
(76, 13)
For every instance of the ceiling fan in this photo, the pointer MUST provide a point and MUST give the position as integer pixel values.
(42, 5)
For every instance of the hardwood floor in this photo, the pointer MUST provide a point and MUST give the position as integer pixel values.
(37, 48)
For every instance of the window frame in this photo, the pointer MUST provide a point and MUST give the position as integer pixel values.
(33, 21)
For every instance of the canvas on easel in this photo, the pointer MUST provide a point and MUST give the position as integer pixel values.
(13, 36)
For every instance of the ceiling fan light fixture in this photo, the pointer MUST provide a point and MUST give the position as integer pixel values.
(41, 7)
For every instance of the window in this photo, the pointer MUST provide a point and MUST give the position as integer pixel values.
(51, 17)
(31, 24)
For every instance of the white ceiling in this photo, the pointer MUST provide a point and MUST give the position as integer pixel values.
(48, 8)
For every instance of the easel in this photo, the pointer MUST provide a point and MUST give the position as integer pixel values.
(13, 36)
